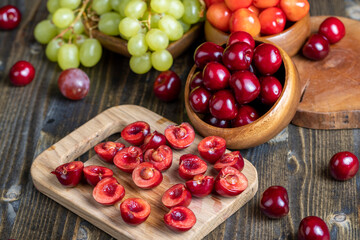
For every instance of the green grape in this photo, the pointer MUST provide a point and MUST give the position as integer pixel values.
(67, 34)
(135, 9)
(154, 19)
(176, 9)
(101, 6)
(137, 45)
(79, 40)
(45, 31)
(49, 17)
(192, 11)
(122, 6)
(185, 26)
(171, 27)
(90, 52)
(159, 6)
(161, 60)
(52, 49)
(157, 39)
(109, 23)
(79, 27)
(68, 56)
(52, 5)
(71, 4)
(129, 27)
(141, 64)
(63, 17)
(115, 5)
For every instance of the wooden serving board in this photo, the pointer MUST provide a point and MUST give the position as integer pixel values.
(331, 98)
(209, 211)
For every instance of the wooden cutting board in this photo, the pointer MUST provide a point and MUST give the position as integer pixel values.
(209, 211)
(331, 98)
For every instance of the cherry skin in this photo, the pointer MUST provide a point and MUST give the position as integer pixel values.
(267, 59)
(200, 185)
(22, 73)
(236, 4)
(316, 47)
(10, 17)
(135, 210)
(196, 80)
(241, 36)
(207, 52)
(246, 114)
(295, 9)
(180, 136)
(215, 76)
(167, 86)
(233, 159)
(212, 148)
(180, 219)
(94, 174)
(74, 83)
(69, 174)
(135, 133)
(270, 90)
(333, 29)
(343, 166)
(238, 56)
(210, 119)
(265, 4)
(274, 202)
(176, 195)
(272, 21)
(199, 100)
(222, 105)
(245, 20)
(246, 86)
(313, 228)
(153, 141)
(218, 15)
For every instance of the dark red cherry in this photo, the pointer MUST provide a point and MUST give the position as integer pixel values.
(215, 76)
(10, 17)
(196, 80)
(246, 86)
(238, 56)
(316, 47)
(246, 114)
(270, 90)
(241, 36)
(222, 105)
(167, 86)
(22, 73)
(207, 52)
(267, 59)
(343, 166)
(210, 119)
(274, 202)
(199, 100)
(333, 29)
(313, 228)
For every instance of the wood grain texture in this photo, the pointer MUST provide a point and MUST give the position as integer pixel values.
(209, 211)
(331, 98)
(34, 117)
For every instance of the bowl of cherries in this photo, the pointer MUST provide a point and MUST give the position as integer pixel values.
(245, 91)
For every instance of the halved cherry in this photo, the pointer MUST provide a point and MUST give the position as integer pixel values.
(230, 182)
(177, 195)
(180, 136)
(180, 219)
(108, 191)
(135, 210)
(153, 140)
(233, 159)
(146, 176)
(128, 158)
(161, 157)
(212, 148)
(191, 165)
(94, 174)
(135, 132)
(107, 150)
(200, 185)
(69, 174)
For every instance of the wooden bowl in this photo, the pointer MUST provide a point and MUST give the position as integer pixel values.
(119, 45)
(265, 127)
(291, 39)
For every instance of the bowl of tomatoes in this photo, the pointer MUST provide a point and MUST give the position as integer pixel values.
(283, 22)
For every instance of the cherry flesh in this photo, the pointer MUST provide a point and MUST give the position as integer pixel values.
(196, 80)
(200, 186)
(212, 148)
(274, 202)
(343, 166)
(313, 228)
(270, 90)
(246, 86)
(207, 52)
(135, 132)
(316, 47)
(267, 59)
(180, 136)
(230, 182)
(238, 56)
(107, 150)
(21, 73)
(180, 219)
(10, 17)
(233, 159)
(222, 105)
(153, 141)
(246, 114)
(190, 166)
(199, 99)
(135, 210)
(160, 157)
(69, 174)
(215, 76)
(241, 36)
(74, 83)
(128, 158)
(177, 195)
(167, 86)
(210, 119)
(146, 176)
(108, 191)
(333, 29)
(94, 174)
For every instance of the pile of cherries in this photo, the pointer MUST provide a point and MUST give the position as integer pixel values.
(236, 85)
(331, 31)
(146, 159)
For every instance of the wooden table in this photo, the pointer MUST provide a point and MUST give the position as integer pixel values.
(34, 117)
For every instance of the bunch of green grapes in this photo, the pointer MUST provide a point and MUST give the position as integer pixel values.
(148, 26)
(63, 34)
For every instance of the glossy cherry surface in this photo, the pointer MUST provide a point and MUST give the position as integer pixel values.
(199, 99)
(128, 158)
(200, 185)
(108, 191)
(313, 228)
(135, 210)
(316, 47)
(215, 76)
(274, 202)
(207, 52)
(21, 73)
(212, 148)
(233, 159)
(196, 80)
(191, 165)
(167, 86)
(238, 56)
(69, 174)
(135, 133)
(246, 86)
(107, 150)
(246, 114)
(230, 182)
(267, 59)
(153, 140)
(160, 157)
(343, 166)
(176, 195)
(180, 136)
(241, 36)
(333, 29)
(180, 219)
(146, 176)
(216, 122)
(272, 21)
(10, 17)
(222, 105)
(270, 90)
(94, 174)
(74, 83)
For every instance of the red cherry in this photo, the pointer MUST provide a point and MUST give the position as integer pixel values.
(267, 59)
(10, 17)
(215, 76)
(146, 176)
(236, 4)
(313, 228)
(219, 15)
(69, 174)
(160, 157)
(128, 158)
(246, 86)
(196, 80)
(238, 56)
(270, 90)
(230, 182)
(200, 185)
(210, 119)
(207, 52)
(107, 150)
(135, 133)
(167, 86)
(199, 100)
(153, 141)
(180, 219)
(316, 47)
(180, 136)
(274, 202)
(74, 83)
(343, 166)
(212, 148)
(272, 21)
(94, 174)
(22, 73)
(233, 159)
(108, 191)
(222, 105)
(333, 29)
(191, 165)
(135, 210)
(177, 195)
(246, 114)
(241, 36)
